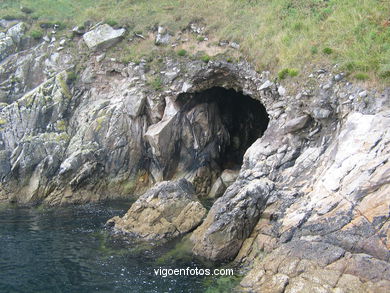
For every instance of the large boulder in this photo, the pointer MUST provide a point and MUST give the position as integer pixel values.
(103, 36)
(166, 211)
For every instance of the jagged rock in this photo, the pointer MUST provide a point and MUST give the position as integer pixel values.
(296, 124)
(226, 179)
(266, 85)
(7, 46)
(11, 41)
(103, 37)
(168, 210)
(163, 37)
(231, 220)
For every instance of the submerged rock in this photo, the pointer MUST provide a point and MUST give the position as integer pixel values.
(166, 211)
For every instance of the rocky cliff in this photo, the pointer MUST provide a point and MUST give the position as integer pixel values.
(301, 170)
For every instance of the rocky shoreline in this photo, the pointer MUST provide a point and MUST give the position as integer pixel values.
(308, 210)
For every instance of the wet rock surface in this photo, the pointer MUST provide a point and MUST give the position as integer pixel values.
(166, 211)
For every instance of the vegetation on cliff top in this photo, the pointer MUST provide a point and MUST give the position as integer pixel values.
(273, 35)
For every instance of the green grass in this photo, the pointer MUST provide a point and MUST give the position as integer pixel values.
(272, 34)
(361, 76)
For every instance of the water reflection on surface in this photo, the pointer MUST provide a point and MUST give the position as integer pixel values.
(68, 250)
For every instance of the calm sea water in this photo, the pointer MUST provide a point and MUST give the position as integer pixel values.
(68, 250)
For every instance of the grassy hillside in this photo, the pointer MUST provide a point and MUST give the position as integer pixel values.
(273, 34)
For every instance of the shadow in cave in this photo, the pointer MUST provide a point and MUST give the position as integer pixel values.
(244, 119)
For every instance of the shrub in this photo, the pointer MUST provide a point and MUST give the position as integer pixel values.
(205, 58)
(182, 52)
(327, 51)
(283, 73)
(287, 72)
(314, 50)
(293, 72)
(200, 38)
(35, 34)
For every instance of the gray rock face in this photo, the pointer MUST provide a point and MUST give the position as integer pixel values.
(10, 42)
(166, 211)
(103, 36)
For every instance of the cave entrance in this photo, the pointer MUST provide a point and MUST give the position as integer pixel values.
(224, 123)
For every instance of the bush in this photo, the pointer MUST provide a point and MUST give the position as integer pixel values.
(314, 50)
(287, 72)
(205, 58)
(35, 34)
(200, 38)
(327, 51)
(293, 72)
(182, 52)
(283, 73)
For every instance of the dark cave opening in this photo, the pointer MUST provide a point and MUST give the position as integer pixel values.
(242, 119)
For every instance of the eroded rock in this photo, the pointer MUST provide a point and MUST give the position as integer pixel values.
(166, 211)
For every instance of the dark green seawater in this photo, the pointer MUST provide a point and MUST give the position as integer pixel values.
(69, 250)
